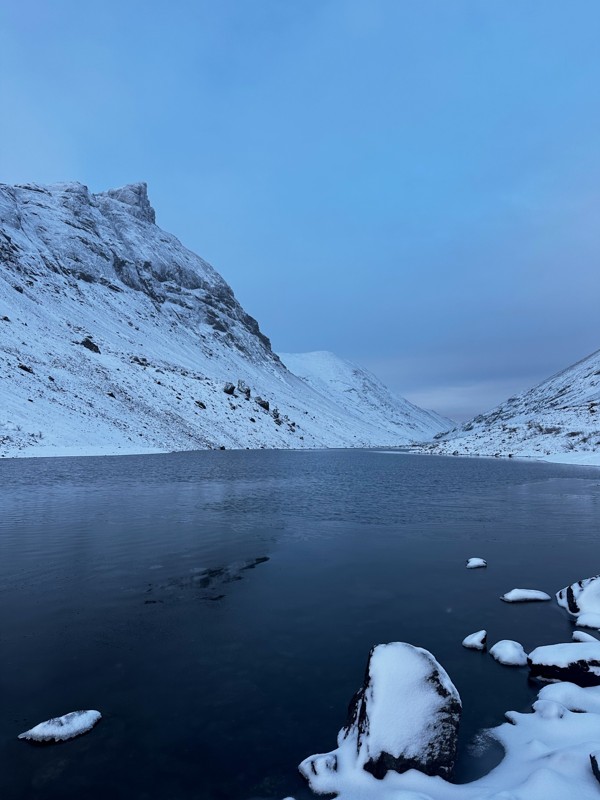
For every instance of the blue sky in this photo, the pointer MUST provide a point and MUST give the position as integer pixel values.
(413, 184)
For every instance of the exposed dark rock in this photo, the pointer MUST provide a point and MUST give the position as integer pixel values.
(200, 404)
(229, 388)
(262, 403)
(90, 344)
(25, 368)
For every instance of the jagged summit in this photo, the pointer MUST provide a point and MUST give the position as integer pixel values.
(136, 196)
(114, 337)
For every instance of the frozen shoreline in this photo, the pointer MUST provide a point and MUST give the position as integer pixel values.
(584, 459)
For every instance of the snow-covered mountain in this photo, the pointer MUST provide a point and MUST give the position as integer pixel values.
(359, 394)
(558, 419)
(116, 338)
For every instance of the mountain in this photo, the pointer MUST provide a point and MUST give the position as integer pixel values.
(115, 338)
(359, 394)
(559, 419)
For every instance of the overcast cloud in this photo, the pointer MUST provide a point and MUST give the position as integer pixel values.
(413, 184)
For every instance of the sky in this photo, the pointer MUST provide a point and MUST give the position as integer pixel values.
(411, 184)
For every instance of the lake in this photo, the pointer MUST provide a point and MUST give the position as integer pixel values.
(218, 607)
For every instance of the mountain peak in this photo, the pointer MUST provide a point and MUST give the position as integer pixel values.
(136, 196)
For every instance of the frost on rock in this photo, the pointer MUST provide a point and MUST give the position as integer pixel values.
(405, 717)
(476, 563)
(509, 653)
(59, 729)
(577, 662)
(475, 641)
(582, 600)
(524, 596)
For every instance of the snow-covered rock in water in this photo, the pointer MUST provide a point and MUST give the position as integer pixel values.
(524, 596)
(577, 662)
(405, 717)
(475, 641)
(581, 636)
(476, 563)
(114, 338)
(549, 755)
(59, 729)
(509, 653)
(558, 420)
(582, 600)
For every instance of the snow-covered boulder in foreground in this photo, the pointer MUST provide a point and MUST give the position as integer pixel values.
(476, 563)
(547, 757)
(582, 600)
(578, 662)
(405, 717)
(524, 596)
(475, 641)
(59, 729)
(509, 653)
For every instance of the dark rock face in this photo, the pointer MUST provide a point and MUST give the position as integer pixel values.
(229, 388)
(405, 716)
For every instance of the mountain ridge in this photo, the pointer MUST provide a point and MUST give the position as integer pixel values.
(114, 337)
(559, 418)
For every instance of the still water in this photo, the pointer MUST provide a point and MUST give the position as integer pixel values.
(218, 607)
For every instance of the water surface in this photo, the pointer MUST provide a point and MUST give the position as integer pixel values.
(218, 607)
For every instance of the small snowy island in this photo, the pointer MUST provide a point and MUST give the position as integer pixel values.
(525, 596)
(476, 563)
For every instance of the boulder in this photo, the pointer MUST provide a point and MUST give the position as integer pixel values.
(229, 388)
(262, 403)
(582, 600)
(405, 716)
(576, 662)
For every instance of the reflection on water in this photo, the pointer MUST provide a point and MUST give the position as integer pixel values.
(218, 607)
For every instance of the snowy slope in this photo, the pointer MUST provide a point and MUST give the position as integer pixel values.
(359, 394)
(115, 338)
(559, 419)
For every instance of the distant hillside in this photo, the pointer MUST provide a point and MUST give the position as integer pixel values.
(360, 395)
(559, 418)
